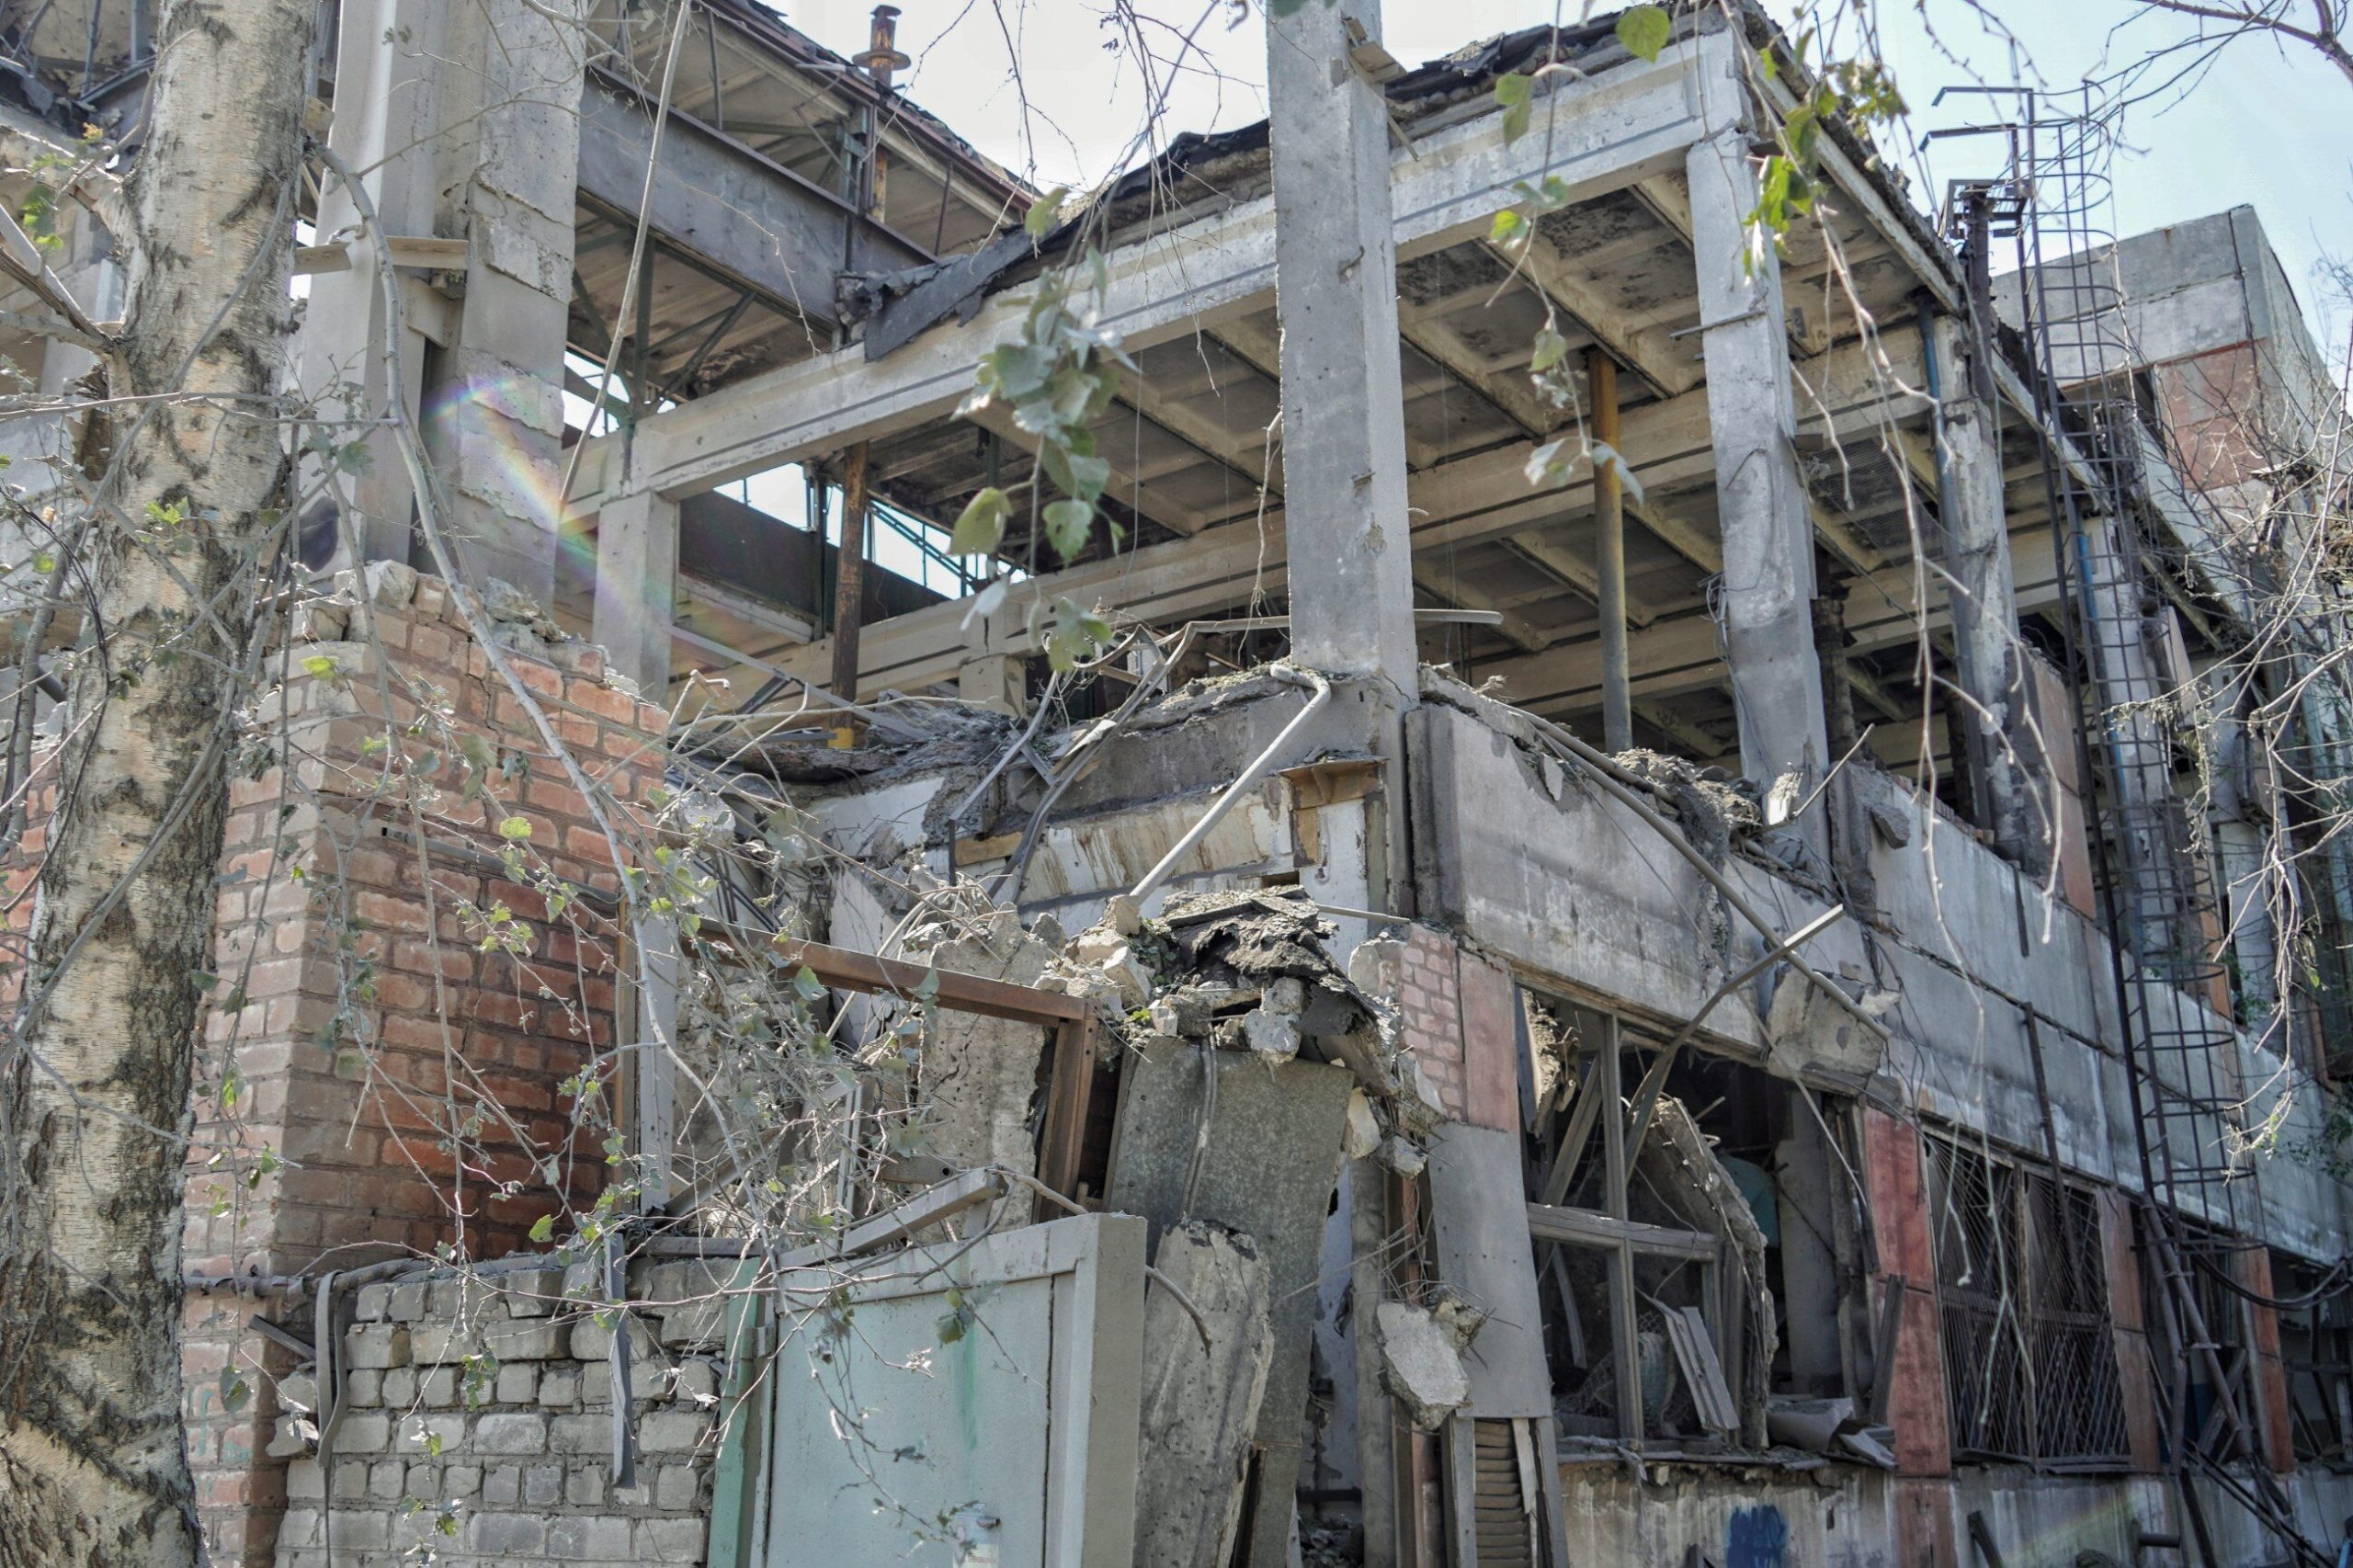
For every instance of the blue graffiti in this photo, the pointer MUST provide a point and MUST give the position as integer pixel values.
(1757, 1537)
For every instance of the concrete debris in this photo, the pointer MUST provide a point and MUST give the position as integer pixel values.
(509, 606)
(975, 1082)
(1890, 817)
(1422, 1363)
(1403, 1157)
(1377, 966)
(390, 583)
(1123, 914)
(1184, 1012)
(1804, 1028)
(1828, 1426)
(1271, 1034)
(1363, 1133)
(1200, 1399)
(1096, 946)
(1287, 996)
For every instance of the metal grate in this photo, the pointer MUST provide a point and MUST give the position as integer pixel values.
(2029, 1353)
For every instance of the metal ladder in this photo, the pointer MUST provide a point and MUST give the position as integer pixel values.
(2151, 862)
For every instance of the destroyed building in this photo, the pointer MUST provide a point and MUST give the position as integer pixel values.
(1674, 973)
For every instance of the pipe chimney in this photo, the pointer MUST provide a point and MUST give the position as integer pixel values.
(882, 58)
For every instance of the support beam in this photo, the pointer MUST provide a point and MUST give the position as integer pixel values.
(637, 569)
(1350, 545)
(1760, 496)
(1698, 743)
(768, 229)
(1609, 554)
(1510, 391)
(1483, 496)
(1573, 569)
(849, 573)
(1645, 348)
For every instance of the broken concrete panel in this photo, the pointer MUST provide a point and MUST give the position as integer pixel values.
(977, 1082)
(521, 256)
(1200, 1399)
(1268, 1170)
(1808, 1032)
(1485, 1257)
(1078, 857)
(1421, 1363)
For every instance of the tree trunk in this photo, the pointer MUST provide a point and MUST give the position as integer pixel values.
(93, 1090)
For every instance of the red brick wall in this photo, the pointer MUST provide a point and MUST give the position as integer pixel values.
(347, 1108)
(1899, 1210)
(2212, 405)
(2127, 1314)
(1459, 1012)
(2270, 1414)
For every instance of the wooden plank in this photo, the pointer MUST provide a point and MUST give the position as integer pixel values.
(1686, 1330)
(841, 969)
(1462, 1486)
(1584, 1228)
(1061, 1142)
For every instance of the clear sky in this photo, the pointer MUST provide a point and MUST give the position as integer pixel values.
(2262, 126)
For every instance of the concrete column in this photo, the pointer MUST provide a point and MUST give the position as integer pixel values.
(465, 122)
(1343, 396)
(1761, 501)
(637, 573)
(1983, 593)
(386, 98)
(1350, 551)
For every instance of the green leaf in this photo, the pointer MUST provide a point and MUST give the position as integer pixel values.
(979, 528)
(951, 1328)
(1550, 350)
(1513, 93)
(515, 829)
(1645, 30)
(1508, 229)
(1067, 525)
(543, 1229)
(1044, 211)
(322, 666)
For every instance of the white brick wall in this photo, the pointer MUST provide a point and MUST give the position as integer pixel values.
(478, 1425)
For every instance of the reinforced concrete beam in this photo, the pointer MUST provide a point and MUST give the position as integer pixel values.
(1626, 124)
(779, 235)
(1468, 499)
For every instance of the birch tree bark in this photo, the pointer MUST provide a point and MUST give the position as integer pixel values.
(94, 1089)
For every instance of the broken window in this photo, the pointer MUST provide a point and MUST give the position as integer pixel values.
(1656, 1231)
(2030, 1369)
(2316, 1354)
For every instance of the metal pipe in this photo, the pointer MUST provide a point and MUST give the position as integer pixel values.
(1250, 776)
(1610, 555)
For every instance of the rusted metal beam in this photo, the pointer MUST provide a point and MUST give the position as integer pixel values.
(842, 969)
